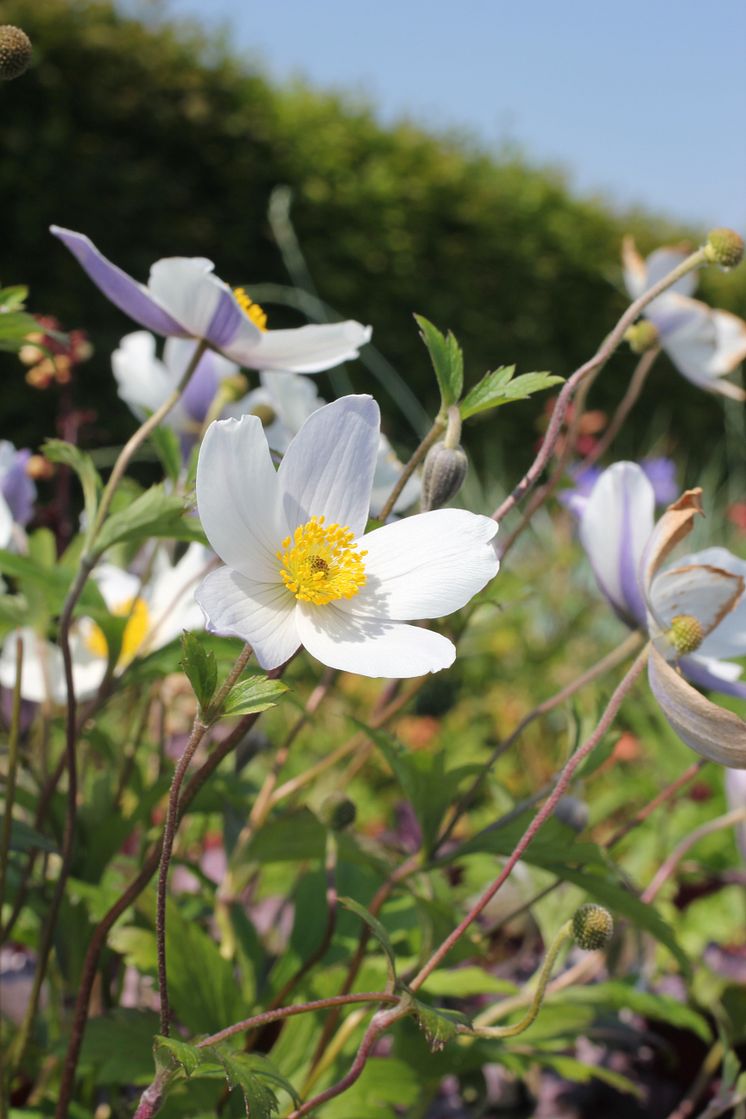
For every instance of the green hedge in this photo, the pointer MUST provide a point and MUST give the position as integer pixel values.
(155, 143)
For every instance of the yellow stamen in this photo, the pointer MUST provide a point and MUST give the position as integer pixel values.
(135, 631)
(321, 563)
(251, 309)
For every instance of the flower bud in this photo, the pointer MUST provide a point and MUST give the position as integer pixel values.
(265, 413)
(685, 634)
(337, 812)
(724, 247)
(233, 388)
(15, 52)
(592, 927)
(642, 336)
(442, 475)
(572, 812)
(39, 468)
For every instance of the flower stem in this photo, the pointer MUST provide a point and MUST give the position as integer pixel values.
(202, 724)
(539, 819)
(432, 436)
(669, 865)
(599, 359)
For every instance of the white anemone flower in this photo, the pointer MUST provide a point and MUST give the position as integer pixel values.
(156, 613)
(704, 343)
(299, 570)
(694, 611)
(185, 299)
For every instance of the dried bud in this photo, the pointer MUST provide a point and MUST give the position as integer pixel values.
(685, 634)
(592, 927)
(233, 388)
(265, 413)
(442, 475)
(572, 812)
(39, 468)
(15, 52)
(642, 336)
(724, 247)
(337, 812)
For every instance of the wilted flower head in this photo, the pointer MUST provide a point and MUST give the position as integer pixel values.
(299, 570)
(705, 344)
(185, 299)
(694, 611)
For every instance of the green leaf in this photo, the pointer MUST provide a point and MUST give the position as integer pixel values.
(119, 1046)
(200, 667)
(465, 982)
(500, 387)
(13, 298)
(52, 581)
(624, 996)
(15, 326)
(439, 1026)
(57, 450)
(171, 1055)
(153, 513)
(167, 447)
(378, 930)
(571, 1069)
(447, 358)
(255, 693)
(25, 838)
(257, 1078)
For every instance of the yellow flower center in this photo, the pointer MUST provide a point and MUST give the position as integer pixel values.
(251, 309)
(135, 631)
(321, 563)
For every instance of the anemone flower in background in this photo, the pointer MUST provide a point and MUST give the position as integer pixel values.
(156, 613)
(299, 570)
(705, 344)
(17, 491)
(694, 611)
(185, 299)
(283, 402)
(660, 472)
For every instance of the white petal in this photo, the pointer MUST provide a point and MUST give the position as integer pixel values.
(43, 673)
(703, 344)
(294, 398)
(143, 382)
(712, 731)
(370, 647)
(702, 591)
(118, 587)
(260, 613)
(730, 342)
(328, 468)
(171, 601)
(388, 471)
(6, 523)
(616, 523)
(425, 566)
(306, 349)
(202, 303)
(635, 273)
(728, 639)
(663, 261)
(735, 794)
(238, 497)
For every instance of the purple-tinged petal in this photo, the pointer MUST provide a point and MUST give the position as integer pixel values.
(713, 732)
(15, 485)
(124, 292)
(661, 473)
(700, 591)
(715, 675)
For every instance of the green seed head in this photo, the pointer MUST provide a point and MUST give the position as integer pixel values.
(15, 52)
(641, 337)
(685, 634)
(724, 247)
(337, 812)
(592, 927)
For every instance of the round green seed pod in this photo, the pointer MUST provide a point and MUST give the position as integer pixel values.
(642, 336)
(15, 52)
(592, 927)
(724, 247)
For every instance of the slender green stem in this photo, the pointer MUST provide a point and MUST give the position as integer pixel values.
(202, 724)
(432, 437)
(666, 869)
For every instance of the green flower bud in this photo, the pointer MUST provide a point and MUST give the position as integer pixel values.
(685, 634)
(572, 812)
(724, 247)
(592, 927)
(642, 336)
(337, 812)
(15, 52)
(442, 475)
(233, 388)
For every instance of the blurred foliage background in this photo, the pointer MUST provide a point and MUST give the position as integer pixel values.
(157, 142)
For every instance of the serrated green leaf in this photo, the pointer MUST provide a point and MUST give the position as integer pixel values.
(447, 358)
(257, 1078)
(257, 693)
(200, 668)
(153, 513)
(170, 1054)
(500, 387)
(439, 1026)
(378, 930)
(167, 447)
(57, 450)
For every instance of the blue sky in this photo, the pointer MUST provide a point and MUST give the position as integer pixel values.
(642, 101)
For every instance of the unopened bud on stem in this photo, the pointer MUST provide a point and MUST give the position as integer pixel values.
(641, 336)
(592, 927)
(337, 812)
(724, 247)
(445, 466)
